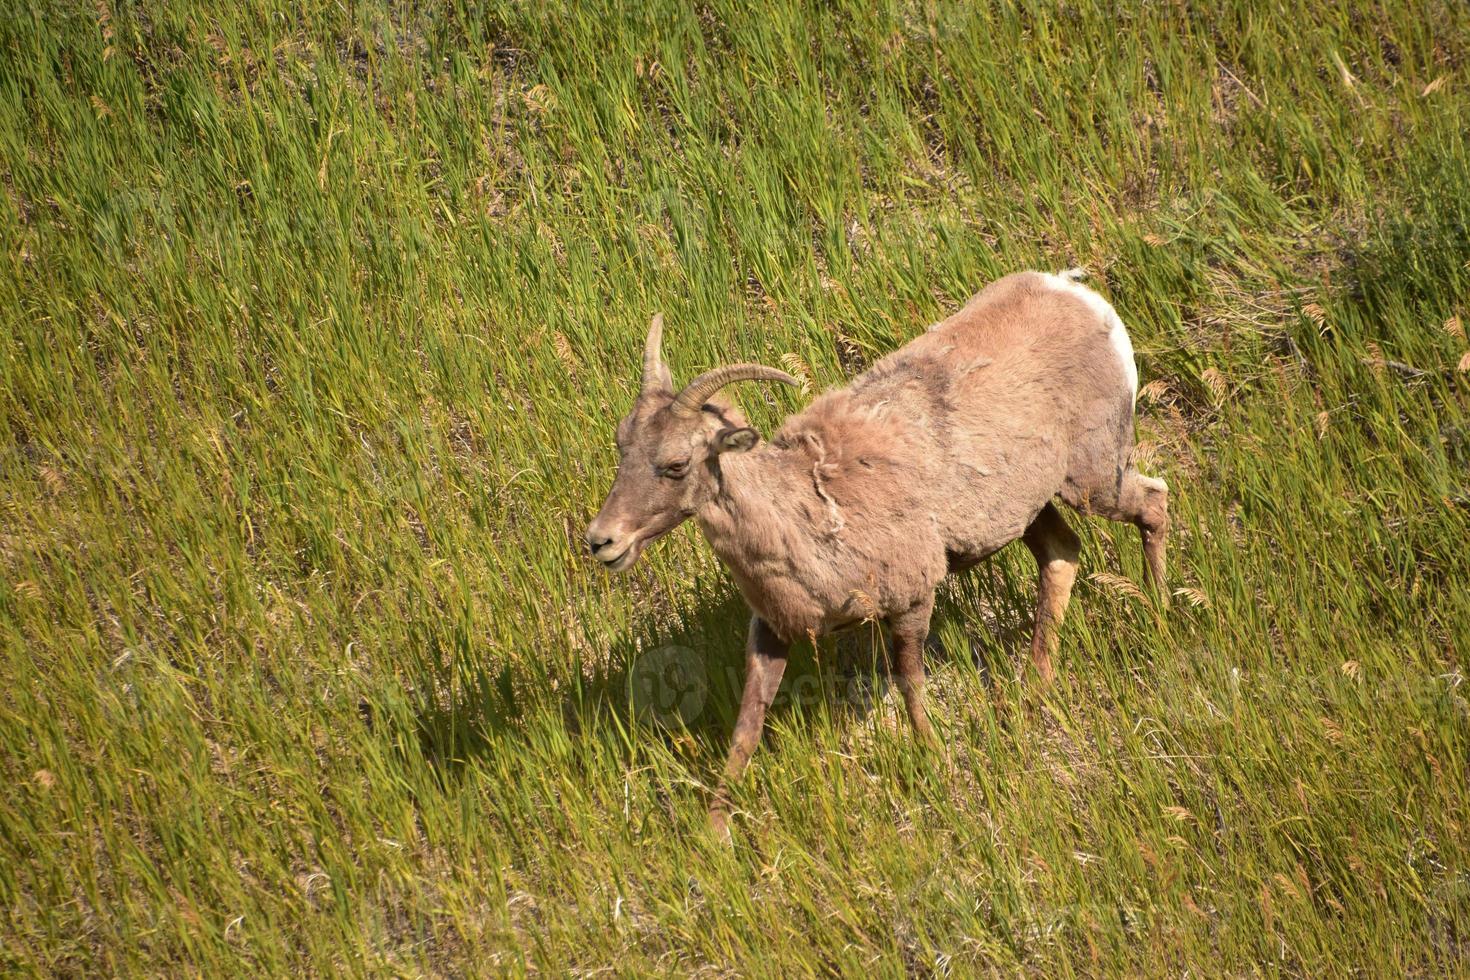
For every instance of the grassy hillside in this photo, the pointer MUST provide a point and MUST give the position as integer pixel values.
(315, 327)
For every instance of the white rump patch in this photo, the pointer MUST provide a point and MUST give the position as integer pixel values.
(1067, 282)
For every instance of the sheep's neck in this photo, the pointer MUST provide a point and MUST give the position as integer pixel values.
(743, 502)
(750, 524)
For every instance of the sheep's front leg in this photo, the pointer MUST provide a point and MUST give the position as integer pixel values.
(765, 662)
(908, 631)
(1055, 547)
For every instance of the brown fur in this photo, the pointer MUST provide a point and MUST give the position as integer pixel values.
(945, 451)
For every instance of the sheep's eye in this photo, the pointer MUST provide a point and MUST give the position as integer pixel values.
(674, 471)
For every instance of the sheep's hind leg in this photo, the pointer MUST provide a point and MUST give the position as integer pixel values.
(908, 631)
(765, 662)
(1055, 547)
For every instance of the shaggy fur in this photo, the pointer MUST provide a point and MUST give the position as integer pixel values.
(945, 451)
(941, 454)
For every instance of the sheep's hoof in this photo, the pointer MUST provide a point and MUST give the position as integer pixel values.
(929, 740)
(720, 810)
(719, 822)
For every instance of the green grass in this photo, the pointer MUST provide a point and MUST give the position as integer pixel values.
(315, 327)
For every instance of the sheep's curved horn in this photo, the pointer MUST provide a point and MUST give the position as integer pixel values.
(688, 402)
(655, 375)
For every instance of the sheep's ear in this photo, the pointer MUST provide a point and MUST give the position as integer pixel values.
(737, 440)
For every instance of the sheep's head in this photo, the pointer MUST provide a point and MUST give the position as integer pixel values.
(669, 447)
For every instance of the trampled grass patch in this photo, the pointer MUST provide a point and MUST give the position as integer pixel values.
(316, 325)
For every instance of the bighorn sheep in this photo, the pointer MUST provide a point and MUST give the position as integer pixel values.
(942, 453)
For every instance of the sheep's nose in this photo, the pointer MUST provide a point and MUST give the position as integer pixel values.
(596, 542)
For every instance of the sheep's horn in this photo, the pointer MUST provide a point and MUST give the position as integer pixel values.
(654, 374)
(688, 402)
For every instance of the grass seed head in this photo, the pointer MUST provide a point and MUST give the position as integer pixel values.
(1118, 585)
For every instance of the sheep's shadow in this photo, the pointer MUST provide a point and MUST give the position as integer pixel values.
(682, 685)
(640, 684)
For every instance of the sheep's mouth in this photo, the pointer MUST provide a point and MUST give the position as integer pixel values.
(626, 558)
(629, 555)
